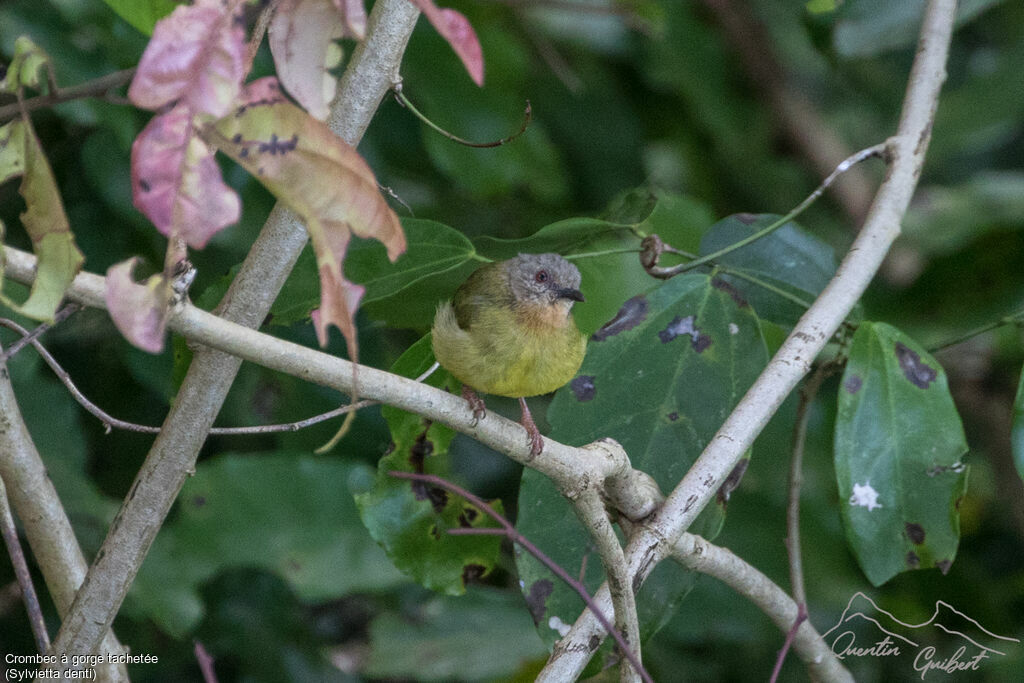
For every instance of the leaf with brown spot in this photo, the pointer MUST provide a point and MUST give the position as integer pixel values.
(918, 372)
(411, 519)
(907, 445)
(791, 259)
(583, 387)
(632, 313)
(322, 179)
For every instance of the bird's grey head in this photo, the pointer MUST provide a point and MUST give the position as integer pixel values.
(544, 279)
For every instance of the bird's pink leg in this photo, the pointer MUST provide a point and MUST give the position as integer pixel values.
(476, 404)
(532, 433)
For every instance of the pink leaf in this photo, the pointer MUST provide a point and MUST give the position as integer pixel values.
(177, 183)
(456, 29)
(339, 298)
(197, 54)
(353, 14)
(301, 37)
(138, 310)
(322, 179)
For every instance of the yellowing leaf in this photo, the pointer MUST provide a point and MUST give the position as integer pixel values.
(44, 221)
(321, 178)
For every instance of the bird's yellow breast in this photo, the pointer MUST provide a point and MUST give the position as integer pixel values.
(510, 351)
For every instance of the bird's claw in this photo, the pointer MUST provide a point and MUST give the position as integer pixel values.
(536, 442)
(476, 404)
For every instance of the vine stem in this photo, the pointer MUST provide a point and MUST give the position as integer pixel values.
(906, 153)
(843, 167)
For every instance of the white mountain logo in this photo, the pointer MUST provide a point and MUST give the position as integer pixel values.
(867, 630)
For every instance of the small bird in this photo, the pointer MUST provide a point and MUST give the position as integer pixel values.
(509, 331)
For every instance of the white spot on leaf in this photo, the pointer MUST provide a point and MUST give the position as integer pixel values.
(559, 625)
(865, 496)
(734, 328)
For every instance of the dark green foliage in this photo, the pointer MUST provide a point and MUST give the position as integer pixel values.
(644, 122)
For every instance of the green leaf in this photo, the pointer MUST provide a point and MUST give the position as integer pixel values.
(660, 378)
(433, 249)
(789, 259)
(1017, 435)
(410, 519)
(483, 635)
(289, 513)
(142, 14)
(898, 450)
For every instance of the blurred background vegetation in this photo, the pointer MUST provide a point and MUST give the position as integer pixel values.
(738, 107)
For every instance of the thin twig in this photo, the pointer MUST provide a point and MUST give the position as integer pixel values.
(205, 661)
(258, 32)
(510, 532)
(43, 519)
(110, 422)
(404, 101)
(801, 617)
(28, 591)
(1014, 319)
(29, 337)
(796, 568)
(98, 87)
(696, 553)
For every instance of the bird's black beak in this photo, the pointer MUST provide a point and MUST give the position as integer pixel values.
(574, 294)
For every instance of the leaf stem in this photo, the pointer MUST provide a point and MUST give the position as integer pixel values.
(607, 252)
(845, 165)
(1012, 319)
(405, 102)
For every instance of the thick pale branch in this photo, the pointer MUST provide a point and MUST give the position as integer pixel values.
(590, 510)
(694, 552)
(905, 152)
(45, 523)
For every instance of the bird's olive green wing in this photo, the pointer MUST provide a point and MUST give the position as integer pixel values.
(485, 287)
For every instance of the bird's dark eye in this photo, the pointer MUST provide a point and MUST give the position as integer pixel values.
(541, 276)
